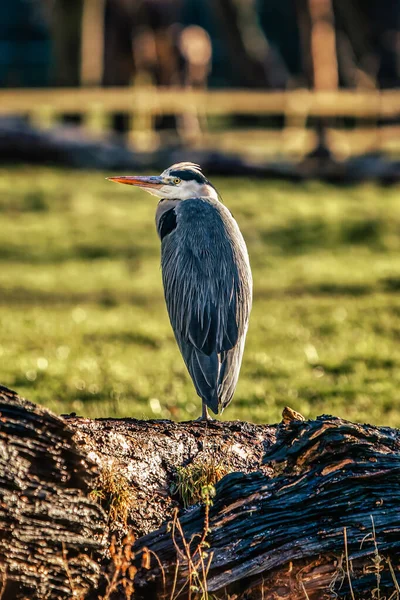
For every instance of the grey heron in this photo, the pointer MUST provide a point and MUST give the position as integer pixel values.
(207, 278)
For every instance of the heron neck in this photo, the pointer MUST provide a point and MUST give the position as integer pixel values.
(162, 207)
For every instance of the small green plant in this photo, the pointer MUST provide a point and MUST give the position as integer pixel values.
(193, 481)
(115, 493)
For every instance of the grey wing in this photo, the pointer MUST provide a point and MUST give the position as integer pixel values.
(209, 322)
(208, 349)
(230, 363)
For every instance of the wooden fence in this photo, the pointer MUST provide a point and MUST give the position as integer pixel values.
(44, 107)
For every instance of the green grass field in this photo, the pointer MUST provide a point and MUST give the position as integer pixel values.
(83, 322)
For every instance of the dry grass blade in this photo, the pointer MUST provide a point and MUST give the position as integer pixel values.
(304, 590)
(146, 564)
(64, 560)
(377, 562)
(197, 561)
(115, 493)
(124, 571)
(3, 583)
(348, 563)
(396, 593)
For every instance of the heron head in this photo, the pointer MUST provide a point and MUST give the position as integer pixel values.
(179, 182)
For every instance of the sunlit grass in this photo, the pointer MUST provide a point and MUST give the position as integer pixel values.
(83, 322)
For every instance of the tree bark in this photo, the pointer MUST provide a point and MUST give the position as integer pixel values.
(51, 533)
(327, 521)
(309, 509)
(148, 453)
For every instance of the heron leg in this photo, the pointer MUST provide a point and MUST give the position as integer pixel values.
(205, 414)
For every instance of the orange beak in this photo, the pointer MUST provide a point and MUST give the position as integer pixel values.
(144, 182)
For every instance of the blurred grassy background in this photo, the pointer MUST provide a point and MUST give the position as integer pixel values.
(83, 322)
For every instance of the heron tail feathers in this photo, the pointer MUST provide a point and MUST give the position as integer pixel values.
(204, 371)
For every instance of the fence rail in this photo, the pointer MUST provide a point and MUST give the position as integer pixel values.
(44, 106)
(344, 103)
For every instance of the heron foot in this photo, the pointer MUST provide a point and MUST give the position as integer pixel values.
(205, 414)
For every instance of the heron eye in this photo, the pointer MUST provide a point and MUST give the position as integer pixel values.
(177, 180)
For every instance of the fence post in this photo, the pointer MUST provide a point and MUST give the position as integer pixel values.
(141, 134)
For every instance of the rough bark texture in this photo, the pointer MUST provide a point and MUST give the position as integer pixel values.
(148, 454)
(51, 533)
(302, 495)
(331, 478)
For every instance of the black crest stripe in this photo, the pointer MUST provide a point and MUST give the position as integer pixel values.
(189, 175)
(167, 223)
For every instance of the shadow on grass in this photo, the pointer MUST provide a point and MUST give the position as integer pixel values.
(349, 365)
(83, 252)
(124, 337)
(35, 201)
(391, 284)
(317, 289)
(21, 296)
(261, 372)
(110, 298)
(311, 394)
(300, 236)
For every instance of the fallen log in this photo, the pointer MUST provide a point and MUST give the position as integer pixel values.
(51, 533)
(71, 147)
(145, 457)
(326, 524)
(306, 509)
(51, 469)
